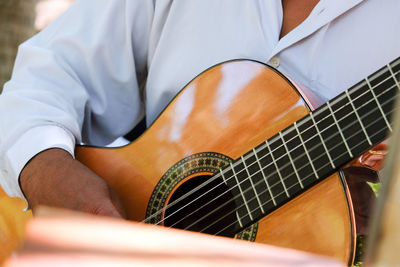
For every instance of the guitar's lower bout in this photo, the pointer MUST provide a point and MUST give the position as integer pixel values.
(316, 221)
(229, 109)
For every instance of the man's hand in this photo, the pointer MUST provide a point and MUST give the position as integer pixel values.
(54, 178)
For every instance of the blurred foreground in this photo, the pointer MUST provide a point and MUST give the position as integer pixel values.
(64, 238)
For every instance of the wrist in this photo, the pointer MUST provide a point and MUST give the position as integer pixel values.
(34, 176)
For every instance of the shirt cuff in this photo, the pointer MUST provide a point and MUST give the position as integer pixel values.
(30, 144)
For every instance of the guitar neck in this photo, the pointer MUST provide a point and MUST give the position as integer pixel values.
(314, 147)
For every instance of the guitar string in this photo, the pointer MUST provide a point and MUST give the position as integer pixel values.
(230, 225)
(216, 176)
(277, 183)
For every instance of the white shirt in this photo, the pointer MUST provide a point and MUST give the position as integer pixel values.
(82, 78)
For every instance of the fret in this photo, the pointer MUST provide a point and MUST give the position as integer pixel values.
(277, 169)
(313, 146)
(257, 180)
(241, 192)
(387, 100)
(306, 151)
(378, 104)
(246, 183)
(239, 220)
(393, 76)
(395, 68)
(222, 175)
(385, 88)
(368, 108)
(265, 178)
(340, 130)
(381, 79)
(237, 194)
(351, 129)
(301, 164)
(322, 141)
(330, 133)
(358, 118)
(268, 168)
(291, 161)
(252, 185)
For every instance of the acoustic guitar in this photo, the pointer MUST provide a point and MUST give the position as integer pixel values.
(239, 153)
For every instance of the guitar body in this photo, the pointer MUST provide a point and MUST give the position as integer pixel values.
(220, 115)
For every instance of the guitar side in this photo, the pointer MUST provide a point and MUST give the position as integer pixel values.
(229, 109)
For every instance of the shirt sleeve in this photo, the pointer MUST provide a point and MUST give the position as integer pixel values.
(76, 81)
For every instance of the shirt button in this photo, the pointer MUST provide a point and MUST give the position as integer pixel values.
(274, 62)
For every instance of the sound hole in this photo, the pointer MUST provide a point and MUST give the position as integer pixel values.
(210, 209)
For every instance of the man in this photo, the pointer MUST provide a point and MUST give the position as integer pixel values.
(93, 74)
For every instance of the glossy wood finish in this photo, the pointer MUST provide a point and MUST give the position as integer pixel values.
(315, 217)
(229, 109)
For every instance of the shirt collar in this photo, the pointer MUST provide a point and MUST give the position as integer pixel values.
(323, 13)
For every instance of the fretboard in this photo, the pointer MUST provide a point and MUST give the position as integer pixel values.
(314, 147)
